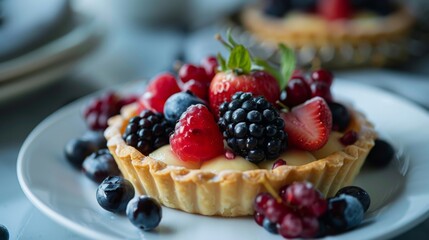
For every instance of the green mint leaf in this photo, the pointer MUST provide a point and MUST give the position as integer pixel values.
(222, 62)
(230, 38)
(240, 60)
(287, 64)
(268, 68)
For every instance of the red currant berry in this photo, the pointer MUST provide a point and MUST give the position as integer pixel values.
(199, 89)
(259, 218)
(322, 75)
(278, 163)
(290, 226)
(189, 71)
(297, 92)
(349, 138)
(300, 194)
(317, 209)
(321, 89)
(310, 227)
(210, 66)
(275, 211)
(261, 200)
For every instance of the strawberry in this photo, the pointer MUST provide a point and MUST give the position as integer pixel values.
(197, 137)
(335, 9)
(158, 91)
(244, 73)
(225, 84)
(308, 125)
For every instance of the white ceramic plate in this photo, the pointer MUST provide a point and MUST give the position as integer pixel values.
(399, 192)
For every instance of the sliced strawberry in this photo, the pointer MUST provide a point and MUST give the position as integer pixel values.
(225, 84)
(197, 137)
(308, 125)
(158, 91)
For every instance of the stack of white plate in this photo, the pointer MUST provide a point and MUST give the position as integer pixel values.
(49, 60)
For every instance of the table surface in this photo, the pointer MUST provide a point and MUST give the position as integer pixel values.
(128, 54)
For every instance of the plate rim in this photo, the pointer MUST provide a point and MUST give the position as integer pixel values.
(56, 216)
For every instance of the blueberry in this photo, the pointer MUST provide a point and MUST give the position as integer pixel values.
(381, 154)
(344, 212)
(382, 7)
(4, 233)
(303, 5)
(358, 193)
(178, 103)
(277, 8)
(76, 150)
(340, 116)
(144, 212)
(114, 193)
(100, 165)
(95, 137)
(271, 227)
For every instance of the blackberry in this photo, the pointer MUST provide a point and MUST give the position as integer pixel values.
(252, 127)
(147, 132)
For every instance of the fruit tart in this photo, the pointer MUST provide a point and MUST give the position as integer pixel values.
(356, 31)
(223, 132)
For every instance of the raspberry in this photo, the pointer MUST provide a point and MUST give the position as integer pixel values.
(252, 127)
(196, 136)
(147, 132)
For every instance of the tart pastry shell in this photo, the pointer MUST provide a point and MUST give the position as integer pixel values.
(231, 193)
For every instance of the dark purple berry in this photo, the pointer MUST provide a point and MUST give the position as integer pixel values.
(100, 165)
(344, 212)
(144, 212)
(76, 150)
(358, 193)
(381, 154)
(4, 233)
(340, 116)
(277, 8)
(271, 227)
(114, 193)
(95, 137)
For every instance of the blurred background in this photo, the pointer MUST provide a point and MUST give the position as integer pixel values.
(55, 51)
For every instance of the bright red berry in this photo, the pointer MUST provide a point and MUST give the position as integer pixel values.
(210, 66)
(290, 226)
(297, 92)
(259, 218)
(274, 210)
(349, 138)
(300, 194)
(226, 84)
(321, 89)
(335, 9)
(322, 75)
(158, 91)
(189, 71)
(308, 125)
(278, 163)
(199, 89)
(260, 204)
(197, 137)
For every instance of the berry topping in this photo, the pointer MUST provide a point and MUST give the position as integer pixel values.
(4, 233)
(335, 9)
(252, 127)
(158, 91)
(178, 103)
(349, 138)
(358, 193)
(270, 226)
(308, 125)
(310, 227)
(278, 163)
(322, 75)
(114, 193)
(344, 212)
(210, 66)
(300, 194)
(259, 218)
(196, 136)
(144, 212)
(101, 109)
(321, 89)
(261, 201)
(340, 116)
(191, 72)
(290, 226)
(147, 132)
(297, 91)
(76, 150)
(199, 89)
(381, 154)
(100, 165)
